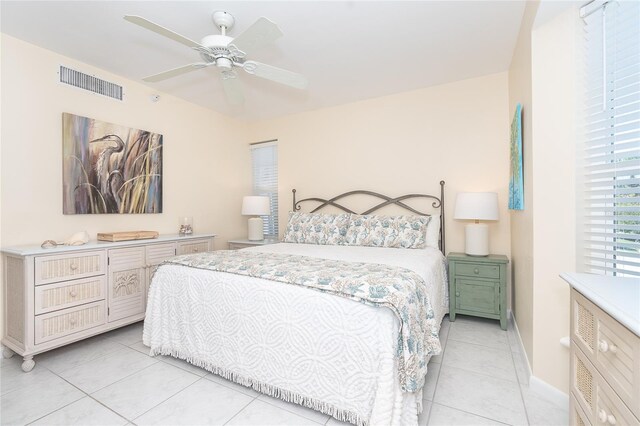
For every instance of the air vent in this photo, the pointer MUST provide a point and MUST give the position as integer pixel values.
(90, 83)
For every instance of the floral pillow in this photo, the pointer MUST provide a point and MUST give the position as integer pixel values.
(317, 228)
(388, 231)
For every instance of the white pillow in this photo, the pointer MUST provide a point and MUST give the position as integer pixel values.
(433, 232)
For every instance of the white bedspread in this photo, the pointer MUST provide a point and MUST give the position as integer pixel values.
(325, 352)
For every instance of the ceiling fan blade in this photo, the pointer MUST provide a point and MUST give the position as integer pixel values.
(258, 35)
(145, 23)
(175, 72)
(232, 87)
(276, 74)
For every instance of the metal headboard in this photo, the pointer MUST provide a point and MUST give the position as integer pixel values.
(438, 203)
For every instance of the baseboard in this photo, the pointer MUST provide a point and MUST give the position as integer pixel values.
(536, 384)
(548, 392)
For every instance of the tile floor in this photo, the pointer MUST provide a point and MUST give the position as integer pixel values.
(110, 380)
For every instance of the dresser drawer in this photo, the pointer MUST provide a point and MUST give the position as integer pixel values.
(618, 359)
(158, 253)
(194, 246)
(593, 393)
(612, 348)
(51, 269)
(577, 417)
(53, 297)
(610, 408)
(58, 324)
(583, 381)
(477, 270)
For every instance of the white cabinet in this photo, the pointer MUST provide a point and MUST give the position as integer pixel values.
(605, 371)
(57, 296)
(127, 282)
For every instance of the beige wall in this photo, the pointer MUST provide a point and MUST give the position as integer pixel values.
(206, 159)
(522, 220)
(402, 143)
(555, 86)
(544, 77)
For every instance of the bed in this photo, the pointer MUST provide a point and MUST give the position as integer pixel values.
(301, 343)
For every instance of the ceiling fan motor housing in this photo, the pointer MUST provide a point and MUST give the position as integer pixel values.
(217, 45)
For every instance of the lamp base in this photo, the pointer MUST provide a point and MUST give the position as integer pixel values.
(255, 229)
(476, 239)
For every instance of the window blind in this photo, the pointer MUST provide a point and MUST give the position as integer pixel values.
(611, 156)
(264, 159)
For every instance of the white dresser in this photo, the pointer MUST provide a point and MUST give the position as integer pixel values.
(605, 350)
(53, 297)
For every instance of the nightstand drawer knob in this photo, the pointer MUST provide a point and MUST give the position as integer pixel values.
(457, 294)
(476, 271)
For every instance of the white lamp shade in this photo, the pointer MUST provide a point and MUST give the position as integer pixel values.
(255, 205)
(476, 206)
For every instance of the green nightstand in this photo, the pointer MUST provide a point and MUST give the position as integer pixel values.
(478, 286)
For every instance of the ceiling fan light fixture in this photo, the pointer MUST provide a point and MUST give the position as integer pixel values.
(224, 63)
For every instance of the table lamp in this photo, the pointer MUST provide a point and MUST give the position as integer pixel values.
(256, 205)
(476, 206)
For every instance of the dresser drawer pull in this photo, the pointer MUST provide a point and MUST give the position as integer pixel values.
(73, 293)
(604, 346)
(606, 418)
(457, 294)
(602, 415)
(195, 249)
(72, 321)
(476, 271)
(73, 266)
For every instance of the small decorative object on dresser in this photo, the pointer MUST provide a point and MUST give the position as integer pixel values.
(476, 206)
(256, 205)
(186, 225)
(478, 286)
(57, 296)
(240, 244)
(605, 350)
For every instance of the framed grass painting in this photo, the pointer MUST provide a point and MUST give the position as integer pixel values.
(108, 168)
(516, 178)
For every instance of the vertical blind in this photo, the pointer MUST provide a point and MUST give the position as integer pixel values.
(611, 156)
(264, 160)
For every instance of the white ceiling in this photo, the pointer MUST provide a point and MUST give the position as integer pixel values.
(349, 50)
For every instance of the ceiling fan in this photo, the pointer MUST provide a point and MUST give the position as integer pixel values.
(227, 53)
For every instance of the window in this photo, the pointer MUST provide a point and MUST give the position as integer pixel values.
(264, 159)
(611, 156)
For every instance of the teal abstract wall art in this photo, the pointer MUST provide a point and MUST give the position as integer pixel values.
(516, 178)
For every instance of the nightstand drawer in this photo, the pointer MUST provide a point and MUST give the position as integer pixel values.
(477, 296)
(477, 270)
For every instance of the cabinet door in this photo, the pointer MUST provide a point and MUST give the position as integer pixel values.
(478, 296)
(127, 283)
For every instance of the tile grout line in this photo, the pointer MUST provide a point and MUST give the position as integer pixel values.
(524, 404)
(73, 402)
(166, 399)
(241, 410)
(435, 390)
(474, 414)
